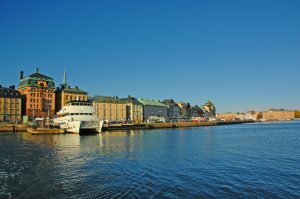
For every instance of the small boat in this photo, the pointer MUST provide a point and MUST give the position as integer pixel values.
(78, 117)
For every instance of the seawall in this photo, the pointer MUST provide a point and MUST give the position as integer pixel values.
(168, 125)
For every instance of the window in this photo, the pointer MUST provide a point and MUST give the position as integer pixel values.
(67, 97)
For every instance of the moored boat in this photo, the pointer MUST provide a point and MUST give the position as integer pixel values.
(79, 117)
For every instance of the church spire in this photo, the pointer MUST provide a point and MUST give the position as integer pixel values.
(64, 83)
(65, 78)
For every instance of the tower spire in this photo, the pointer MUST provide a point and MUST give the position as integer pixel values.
(65, 78)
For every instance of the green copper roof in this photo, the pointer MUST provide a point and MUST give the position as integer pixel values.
(107, 99)
(150, 102)
(74, 90)
(33, 79)
(39, 75)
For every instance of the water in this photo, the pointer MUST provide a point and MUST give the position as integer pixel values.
(237, 161)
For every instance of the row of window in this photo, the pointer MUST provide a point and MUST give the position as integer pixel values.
(110, 105)
(37, 89)
(11, 106)
(71, 97)
(80, 104)
(10, 111)
(40, 95)
(37, 106)
(37, 101)
(81, 114)
(11, 99)
(9, 93)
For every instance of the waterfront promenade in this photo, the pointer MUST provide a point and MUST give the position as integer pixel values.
(119, 127)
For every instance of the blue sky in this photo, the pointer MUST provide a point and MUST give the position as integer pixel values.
(242, 55)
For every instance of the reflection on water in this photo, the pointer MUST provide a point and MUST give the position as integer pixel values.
(253, 160)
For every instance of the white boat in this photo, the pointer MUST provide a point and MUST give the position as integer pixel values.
(79, 117)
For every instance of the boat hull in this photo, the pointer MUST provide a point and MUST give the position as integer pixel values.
(82, 127)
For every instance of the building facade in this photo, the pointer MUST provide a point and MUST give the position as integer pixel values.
(227, 116)
(153, 109)
(10, 104)
(173, 110)
(134, 110)
(196, 111)
(38, 95)
(185, 111)
(110, 109)
(278, 114)
(65, 93)
(209, 110)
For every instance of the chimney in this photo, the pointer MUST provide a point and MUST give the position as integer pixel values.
(37, 70)
(0, 86)
(21, 75)
(76, 87)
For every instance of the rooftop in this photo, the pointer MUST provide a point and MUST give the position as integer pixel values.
(107, 99)
(151, 102)
(9, 92)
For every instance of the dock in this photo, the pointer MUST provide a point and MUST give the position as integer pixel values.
(13, 128)
(44, 131)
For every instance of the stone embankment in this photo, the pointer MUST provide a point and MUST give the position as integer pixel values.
(13, 128)
(116, 127)
(38, 131)
(168, 125)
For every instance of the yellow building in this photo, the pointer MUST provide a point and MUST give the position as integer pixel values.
(110, 109)
(10, 104)
(228, 116)
(134, 110)
(65, 93)
(278, 114)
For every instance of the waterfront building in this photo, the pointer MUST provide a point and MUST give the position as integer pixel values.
(38, 95)
(196, 111)
(209, 110)
(227, 116)
(173, 110)
(185, 111)
(253, 115)
(66, 93)
(110, 109)
(10, 104)
(134, 110)
(278, 114)
(297, 114)
(153, 110)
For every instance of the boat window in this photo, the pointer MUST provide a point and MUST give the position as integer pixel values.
(81, 113)
(90, 114)
(72, 114)
(81, 104)
(76, 113)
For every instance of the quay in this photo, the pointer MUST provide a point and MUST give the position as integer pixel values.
(119, 127)
(13, 128)
(39, 131)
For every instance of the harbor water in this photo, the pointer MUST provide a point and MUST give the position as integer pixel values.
(260, 160)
